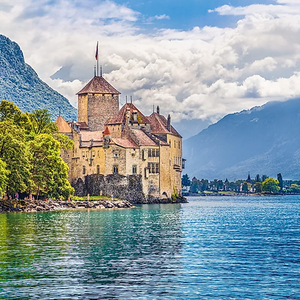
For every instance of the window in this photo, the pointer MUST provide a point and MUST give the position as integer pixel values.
(115, 169)
(149, 153)
(157, 168)
(153, 168)
(98, 169)
(157, 153)
(83, 170)
(179, 144)
(170, 144)
(174, 144)
(134, 169)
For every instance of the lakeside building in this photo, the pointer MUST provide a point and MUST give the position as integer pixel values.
(109, 140)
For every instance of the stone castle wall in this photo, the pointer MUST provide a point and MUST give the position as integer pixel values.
(123, 187)
(100, 109)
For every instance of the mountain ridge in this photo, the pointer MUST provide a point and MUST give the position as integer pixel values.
(19, 83)
(261, 140)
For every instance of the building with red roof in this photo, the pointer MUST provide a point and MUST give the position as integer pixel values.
(109, 140)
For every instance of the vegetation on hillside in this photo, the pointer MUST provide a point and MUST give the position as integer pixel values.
(30, 159)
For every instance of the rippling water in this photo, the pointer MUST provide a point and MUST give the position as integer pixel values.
(211, 248)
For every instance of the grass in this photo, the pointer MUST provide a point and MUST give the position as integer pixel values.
(93, 198)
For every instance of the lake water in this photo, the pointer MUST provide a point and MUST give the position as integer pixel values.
(210, 248)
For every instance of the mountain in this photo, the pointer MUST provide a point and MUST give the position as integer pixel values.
(263, 140)
(20, 84)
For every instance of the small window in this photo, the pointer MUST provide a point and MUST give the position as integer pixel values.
(134, 169)
(179, 145)
(149, 153)
(115, 169)
(174, 144)
(98, 169)
(156, 168)
(83, 170)
(170, 144)
(157, 153)
(153, 152)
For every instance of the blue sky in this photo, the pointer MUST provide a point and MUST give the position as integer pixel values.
(186, 14)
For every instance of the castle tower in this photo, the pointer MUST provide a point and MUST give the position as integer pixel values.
(97, 102)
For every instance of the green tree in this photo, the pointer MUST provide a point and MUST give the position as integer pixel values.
(185, 181)
(257, 178)
(10, 112)
(41, 122)
(14, 152)
(246, 187)
(258, 187)
(270, 185)
(3, 177)
(280, 181)
(295, 188)
(49, 172)
(264, 177)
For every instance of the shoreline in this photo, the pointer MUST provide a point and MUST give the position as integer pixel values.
(7, 206)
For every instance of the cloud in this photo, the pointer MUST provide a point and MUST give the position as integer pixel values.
(159, 17)
(202, 73)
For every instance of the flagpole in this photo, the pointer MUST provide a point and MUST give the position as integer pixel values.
(97, 60)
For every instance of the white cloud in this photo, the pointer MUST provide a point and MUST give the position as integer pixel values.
(202, 73)
(159, 17)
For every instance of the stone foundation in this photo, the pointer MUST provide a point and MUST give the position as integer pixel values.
(129, 188)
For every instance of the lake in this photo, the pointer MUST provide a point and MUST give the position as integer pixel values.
(210, 248)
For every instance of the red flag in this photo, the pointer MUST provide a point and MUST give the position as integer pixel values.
(96, 55)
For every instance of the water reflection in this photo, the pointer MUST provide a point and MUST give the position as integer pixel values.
(72, 254)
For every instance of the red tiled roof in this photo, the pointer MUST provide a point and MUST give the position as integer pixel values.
(91, 135)
(82, 125)
(125, 143)
(98, 85)
(106, 130)
(159, 125)
(62, 125)
(143, 138)
(120, 117)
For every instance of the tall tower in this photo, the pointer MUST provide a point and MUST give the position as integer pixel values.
(97, 102)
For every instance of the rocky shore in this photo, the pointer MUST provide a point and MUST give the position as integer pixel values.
(55, 205)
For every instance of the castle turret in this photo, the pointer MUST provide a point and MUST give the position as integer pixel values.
(97, 102)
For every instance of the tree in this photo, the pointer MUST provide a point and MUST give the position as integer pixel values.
(10, 112)
(185, 181)
(257, 178)
(264, 177)
(270, 185)
(49, 172)
(258, 187)
(246, 187)
(280, 181)
(295, 188)
(194, 185)
(204, 185)
(41, 122)
(14, 152)
(3, 177)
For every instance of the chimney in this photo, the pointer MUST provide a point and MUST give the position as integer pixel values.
(157, 109)
(169, 123)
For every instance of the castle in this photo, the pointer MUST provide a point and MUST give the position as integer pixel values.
(109, 140)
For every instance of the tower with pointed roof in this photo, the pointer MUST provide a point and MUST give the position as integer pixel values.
(98, 101)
